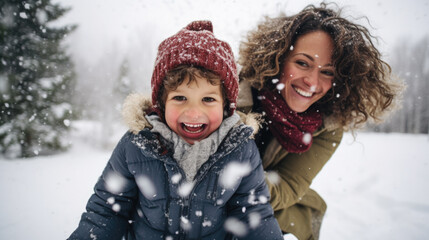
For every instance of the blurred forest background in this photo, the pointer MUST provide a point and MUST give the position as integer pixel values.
(48, 80)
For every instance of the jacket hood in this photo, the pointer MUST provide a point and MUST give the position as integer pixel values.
(133, 112)
(135, 107)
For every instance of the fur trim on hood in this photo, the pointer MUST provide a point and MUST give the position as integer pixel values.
(133, 112)
(135, 105)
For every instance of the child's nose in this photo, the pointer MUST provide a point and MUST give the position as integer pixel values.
(193, 113)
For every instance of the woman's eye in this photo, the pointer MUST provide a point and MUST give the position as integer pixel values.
(179, 98)
(328, 73)
(301, 63)
(208, 99)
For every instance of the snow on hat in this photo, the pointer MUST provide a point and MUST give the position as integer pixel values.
(197, 46)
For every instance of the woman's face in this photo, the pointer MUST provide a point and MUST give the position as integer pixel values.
(308, 71)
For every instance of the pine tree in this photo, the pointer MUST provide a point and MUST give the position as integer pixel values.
(122, 86)
(36, 79)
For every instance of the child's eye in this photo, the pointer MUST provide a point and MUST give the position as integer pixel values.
(179, 98)
(208, 99)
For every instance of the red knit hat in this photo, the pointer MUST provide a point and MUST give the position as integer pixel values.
(196, 45)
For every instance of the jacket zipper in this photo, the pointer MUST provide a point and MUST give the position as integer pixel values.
(187, 200)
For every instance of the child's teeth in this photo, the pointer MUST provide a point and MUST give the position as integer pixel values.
(193, 128)
(193, 125)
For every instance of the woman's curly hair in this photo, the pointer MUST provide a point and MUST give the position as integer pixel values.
(361, 87)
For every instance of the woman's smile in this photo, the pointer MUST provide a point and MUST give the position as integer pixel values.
(302, 92)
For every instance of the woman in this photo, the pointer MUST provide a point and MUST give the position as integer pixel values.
(310, 76)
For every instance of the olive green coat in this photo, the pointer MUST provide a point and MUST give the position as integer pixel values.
(298, 209)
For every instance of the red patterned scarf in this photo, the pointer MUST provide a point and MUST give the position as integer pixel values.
(293, 130)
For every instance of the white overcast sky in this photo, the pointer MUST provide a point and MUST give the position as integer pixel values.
(104, 23)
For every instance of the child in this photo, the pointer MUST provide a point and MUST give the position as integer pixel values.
(196, 174)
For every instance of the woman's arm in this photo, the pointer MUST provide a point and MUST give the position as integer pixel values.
(297, 171)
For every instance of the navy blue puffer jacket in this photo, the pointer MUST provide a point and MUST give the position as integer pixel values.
(147, 203)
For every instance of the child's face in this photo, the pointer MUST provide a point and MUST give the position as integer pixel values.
(194, 110)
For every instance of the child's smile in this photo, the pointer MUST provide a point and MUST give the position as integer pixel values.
(193, 128)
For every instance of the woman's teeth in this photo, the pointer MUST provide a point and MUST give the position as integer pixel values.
(303, 93)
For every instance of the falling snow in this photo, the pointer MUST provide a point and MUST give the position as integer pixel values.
(23, 15)
(66, 122)
(185, 189)
(273, 177)
(175, 179)
(114, 182)
(111, 200)
(93, 236)
(235, 227)
(280, 86)
(254, 219)
(306, 138)
(32, 117)
(263, 199)
(233, 173)
(207, 223)
(116, 207)
(185, 224)
(146, 186)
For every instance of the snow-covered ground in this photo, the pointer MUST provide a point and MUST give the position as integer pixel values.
(375, 187)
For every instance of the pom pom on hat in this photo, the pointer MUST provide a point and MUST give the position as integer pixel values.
(197, 46)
